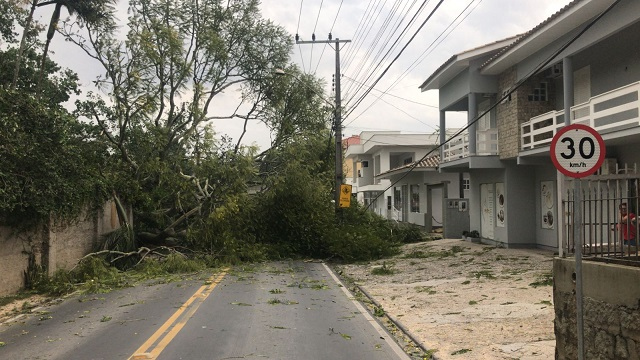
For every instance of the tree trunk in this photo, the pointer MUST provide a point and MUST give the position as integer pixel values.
(53, 24)
(23, 41)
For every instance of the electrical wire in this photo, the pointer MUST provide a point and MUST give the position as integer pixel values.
(394, 59)
(358, 41)
(330, 32)
(506, 95)
(430, 47)
(371, 69)
(297, 32)
(376, 38)
(314, 34)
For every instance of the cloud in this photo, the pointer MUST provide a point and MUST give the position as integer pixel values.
(490, 20)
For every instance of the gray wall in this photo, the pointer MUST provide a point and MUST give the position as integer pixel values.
(520, 200)
(611, 312)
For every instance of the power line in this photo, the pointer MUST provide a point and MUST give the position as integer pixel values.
(371, 68)
(389, 94)
(431, 46)
(313, 34)
(395, 59)
(330, 32)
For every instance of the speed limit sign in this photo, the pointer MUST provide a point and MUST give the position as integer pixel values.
(577, 150)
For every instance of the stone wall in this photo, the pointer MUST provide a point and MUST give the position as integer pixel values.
(611, 310)
(511, 113)
(56, 247)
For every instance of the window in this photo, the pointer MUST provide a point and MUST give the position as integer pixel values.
(407, 161)
(397, 199)
(369, 196)
(539, 93)
(465, 184)
(415, 198)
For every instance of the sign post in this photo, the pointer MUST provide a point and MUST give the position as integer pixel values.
(578, 151)
(345, 196)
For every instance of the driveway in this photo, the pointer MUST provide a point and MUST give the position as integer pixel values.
(464, 300)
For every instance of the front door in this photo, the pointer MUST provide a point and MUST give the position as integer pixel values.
(405, 203)
(487, 210)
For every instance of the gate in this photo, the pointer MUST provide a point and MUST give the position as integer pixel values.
(602, 232)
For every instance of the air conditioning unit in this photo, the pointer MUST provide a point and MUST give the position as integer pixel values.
(555, 71)
(608, 166)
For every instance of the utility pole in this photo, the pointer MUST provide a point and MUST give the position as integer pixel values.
(337, 120)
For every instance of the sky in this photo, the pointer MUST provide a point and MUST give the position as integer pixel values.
(373, 28)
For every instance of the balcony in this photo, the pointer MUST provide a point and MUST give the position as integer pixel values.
(458, 148)
(614, 110)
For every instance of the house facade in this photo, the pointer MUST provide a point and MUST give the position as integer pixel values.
(523, 90)
(382, 180)
(579, 66)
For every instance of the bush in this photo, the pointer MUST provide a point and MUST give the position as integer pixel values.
(408, 233)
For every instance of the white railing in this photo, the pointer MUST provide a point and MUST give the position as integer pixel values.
(458, 148)
(619, 108)
(487, 142)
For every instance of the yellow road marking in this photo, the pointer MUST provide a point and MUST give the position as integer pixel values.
(171, 328)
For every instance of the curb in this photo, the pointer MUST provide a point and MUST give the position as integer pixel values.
(398, 324)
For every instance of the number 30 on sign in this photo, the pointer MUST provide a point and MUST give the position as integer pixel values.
(577, 150)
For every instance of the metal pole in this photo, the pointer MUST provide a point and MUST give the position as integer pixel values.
(577, 231)
(338, 129)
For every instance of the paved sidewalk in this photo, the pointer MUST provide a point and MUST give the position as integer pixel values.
(465, 300)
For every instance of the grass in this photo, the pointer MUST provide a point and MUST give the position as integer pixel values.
(425, 289)
(543, 280)
(486, 273)
(378, 311)
(383, 270)
(276, 301)
(461, 351)
(419, 254)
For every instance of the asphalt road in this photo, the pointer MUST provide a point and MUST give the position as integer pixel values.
(285, 310)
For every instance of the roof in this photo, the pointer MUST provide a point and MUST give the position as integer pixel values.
(457, 63)
(429, 163)
(570, 17)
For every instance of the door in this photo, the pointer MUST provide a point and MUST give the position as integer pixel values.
(405, 203)
(487, 210)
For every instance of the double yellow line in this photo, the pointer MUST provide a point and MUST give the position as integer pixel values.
(163, 336)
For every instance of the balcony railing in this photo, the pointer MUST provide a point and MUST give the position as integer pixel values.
(458, 148)
(606, 112)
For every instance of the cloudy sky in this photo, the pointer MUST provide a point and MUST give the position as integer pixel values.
(374, 29)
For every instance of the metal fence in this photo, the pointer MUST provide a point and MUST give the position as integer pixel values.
(600, 197)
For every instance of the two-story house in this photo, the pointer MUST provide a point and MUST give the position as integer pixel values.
(477, 150)
(383, 183)
(579, 66)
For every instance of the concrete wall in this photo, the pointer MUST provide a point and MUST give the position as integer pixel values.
(611, 310)
(14, 248)
(59, 247)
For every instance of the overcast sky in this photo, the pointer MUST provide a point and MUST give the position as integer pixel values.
(396, 102)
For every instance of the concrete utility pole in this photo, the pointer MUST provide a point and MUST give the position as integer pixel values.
(337, 120)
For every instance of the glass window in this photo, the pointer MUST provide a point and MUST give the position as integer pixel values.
(397, 199)
(415, 198)
(465, 184)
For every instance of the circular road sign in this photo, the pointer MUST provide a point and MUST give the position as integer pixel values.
(577, 150)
